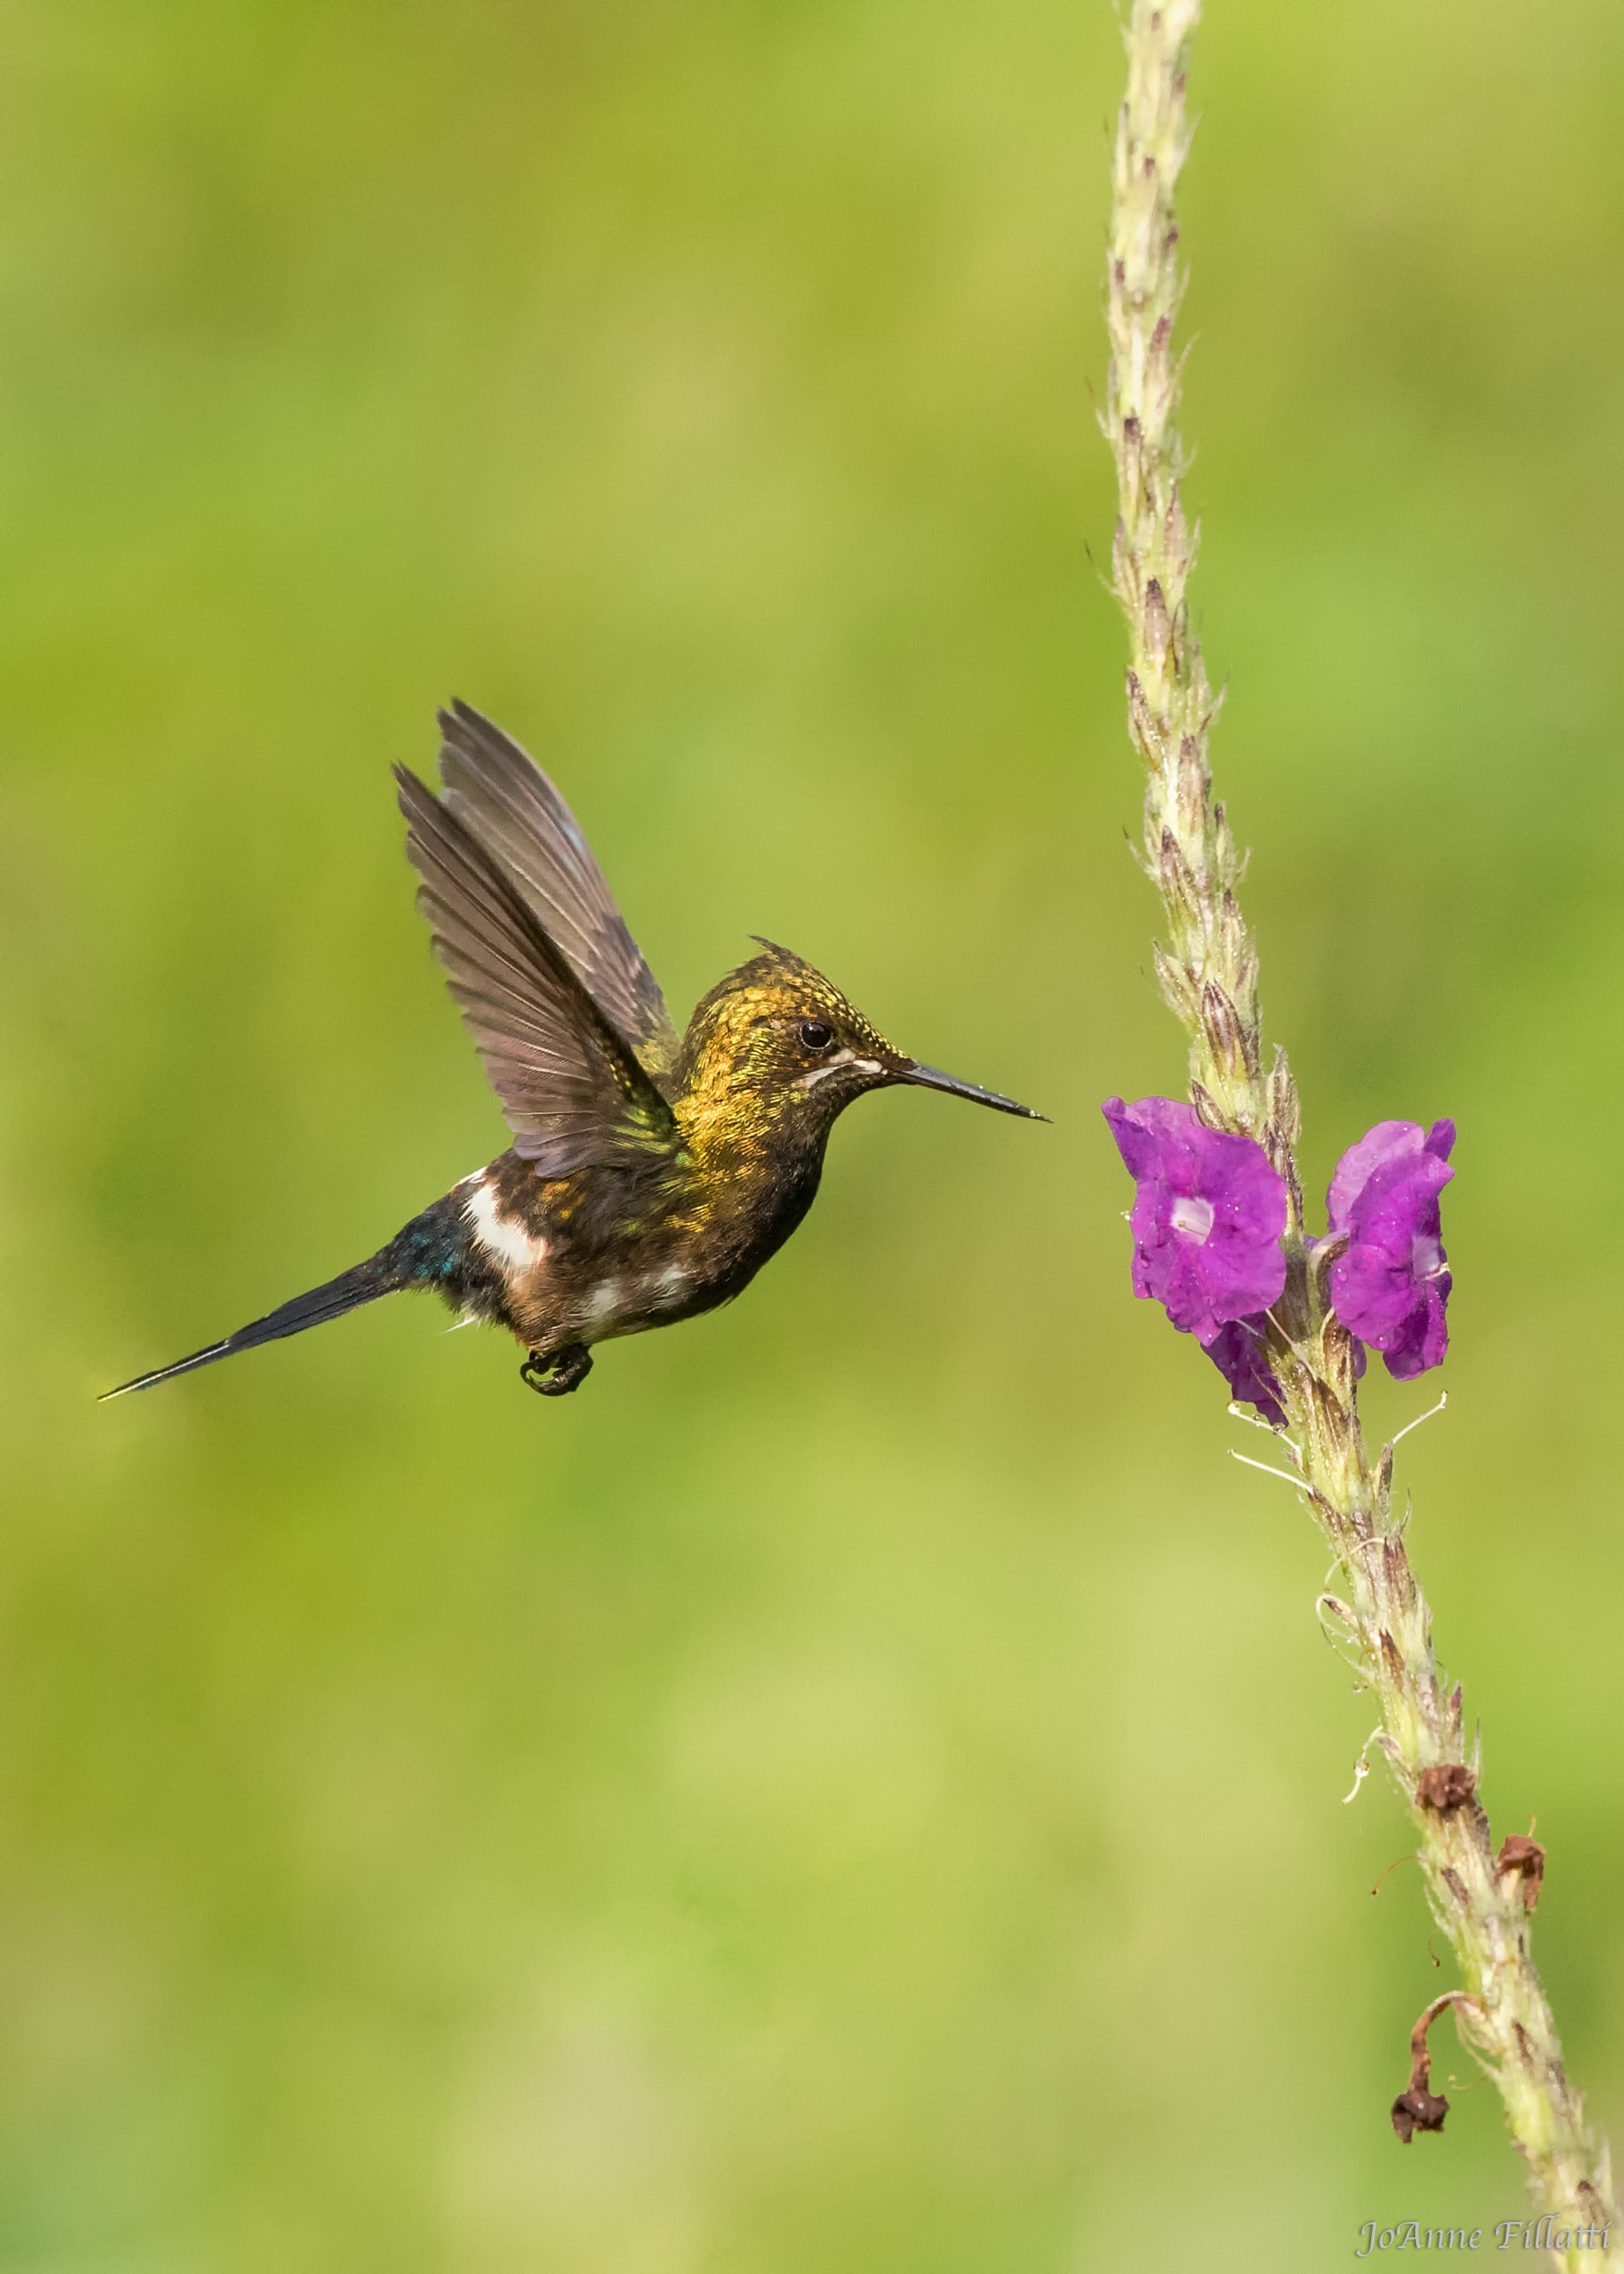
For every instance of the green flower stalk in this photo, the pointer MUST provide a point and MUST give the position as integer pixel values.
(1220, 1229)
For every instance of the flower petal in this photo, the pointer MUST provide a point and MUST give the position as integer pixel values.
(1390, 1286)
(1236, 1350)
(1209, 1212)
(1388, 1141)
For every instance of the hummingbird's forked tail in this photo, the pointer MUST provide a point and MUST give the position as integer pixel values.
(379, 1276)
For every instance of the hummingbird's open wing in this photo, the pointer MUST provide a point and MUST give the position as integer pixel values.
(499, 793)
(573, 1092)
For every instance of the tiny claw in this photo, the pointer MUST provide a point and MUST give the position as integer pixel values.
(555, 1373)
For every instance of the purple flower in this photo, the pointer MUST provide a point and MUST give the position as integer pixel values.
(1236, 1350)
(1209, 1212)
(1390, 1287)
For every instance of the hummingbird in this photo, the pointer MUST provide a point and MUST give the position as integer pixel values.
(650, 1176)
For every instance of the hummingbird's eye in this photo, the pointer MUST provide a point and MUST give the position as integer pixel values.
(815, 1035)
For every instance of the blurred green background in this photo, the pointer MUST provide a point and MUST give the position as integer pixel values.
(860, 1787)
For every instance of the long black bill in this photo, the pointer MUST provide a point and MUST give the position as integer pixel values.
(933, 1078)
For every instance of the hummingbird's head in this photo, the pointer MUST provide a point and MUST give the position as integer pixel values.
(776, 1046)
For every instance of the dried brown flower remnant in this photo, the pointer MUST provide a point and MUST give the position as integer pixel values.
(1418, 2109)
(1444, 1787)
(1523, 1859)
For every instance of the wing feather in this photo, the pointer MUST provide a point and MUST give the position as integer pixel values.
(572, 1089)
(502, 797)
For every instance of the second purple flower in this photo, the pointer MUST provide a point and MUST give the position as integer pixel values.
(1390, 1286)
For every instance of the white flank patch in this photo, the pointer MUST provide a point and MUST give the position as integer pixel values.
(603, 1301)
(499, 1236)
(833, 1066)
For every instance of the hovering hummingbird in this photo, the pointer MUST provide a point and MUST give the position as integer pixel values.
(648, 1178)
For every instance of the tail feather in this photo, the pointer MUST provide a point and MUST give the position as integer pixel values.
(363, 1284)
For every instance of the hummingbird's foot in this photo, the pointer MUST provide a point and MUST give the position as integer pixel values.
(555, 1373)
